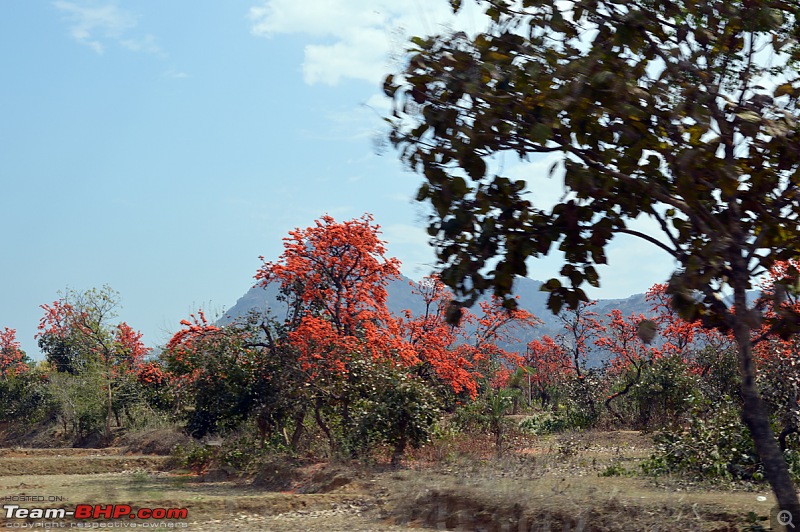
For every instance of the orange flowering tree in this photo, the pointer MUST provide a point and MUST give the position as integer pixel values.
(365, 375)
(777, 357)
(13, 360)
(550, 366)
(682, 337)
(659, 358)
(77, 338)
(217, 373)
(629, 354)
(25, 400)
(183, 353)
(433, 339)
(498, 326)
(468, 357)
(333, 277)
(464, 354)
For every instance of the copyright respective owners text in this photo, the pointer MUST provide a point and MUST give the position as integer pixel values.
(40, 512)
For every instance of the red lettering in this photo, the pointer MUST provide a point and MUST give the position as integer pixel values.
(103, 511)
(177, 513)
(122, 510)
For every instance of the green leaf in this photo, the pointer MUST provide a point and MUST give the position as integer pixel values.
(389, 88)
(786, 88)
(750, 117)
(540, 133)
(555, 302)
(550, 285)
(474, 165)
(557, 20)
(591, 276)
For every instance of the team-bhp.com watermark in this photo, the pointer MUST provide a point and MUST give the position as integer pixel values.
(93, 516)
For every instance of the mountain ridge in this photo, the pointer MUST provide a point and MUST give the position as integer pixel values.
(401, 297)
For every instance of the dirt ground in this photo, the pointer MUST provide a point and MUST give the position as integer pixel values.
(541, 483)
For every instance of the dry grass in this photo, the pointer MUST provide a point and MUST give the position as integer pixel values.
(587, 481)
(574, 481)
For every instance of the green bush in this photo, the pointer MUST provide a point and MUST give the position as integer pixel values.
(25, 399)
(398, 410)
(720, 370)
(779, 384)
(575, 406)
(545, 423)
(614, 470)
(81, 402)
(194, 456)
(652, 393)
(715, 446)
(660, 398)
(485, 413)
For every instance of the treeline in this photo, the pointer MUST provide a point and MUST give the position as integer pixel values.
(341, 376)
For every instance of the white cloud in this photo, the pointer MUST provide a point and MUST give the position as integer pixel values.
(144, 44)
(95, 25)
(176, 74)
(356, 37)
(315, 17)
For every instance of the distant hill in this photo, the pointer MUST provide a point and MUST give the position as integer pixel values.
(401, 297)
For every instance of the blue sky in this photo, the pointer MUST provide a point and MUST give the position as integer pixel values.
(161, 147)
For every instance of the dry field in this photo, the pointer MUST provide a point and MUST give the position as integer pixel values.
(582, 481)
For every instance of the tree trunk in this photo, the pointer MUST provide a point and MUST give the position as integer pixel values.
(402, 441)
(628, 386)
(755, 415)
(321, 424)
(298, 429)
(109, 415)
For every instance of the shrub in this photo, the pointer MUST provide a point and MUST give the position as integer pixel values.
(487, 414)
(25, 398)
(658, 397)
(546, 423)
(716, 445)
(398, 410)
(194, 456)
(719, 372)
(81, 402)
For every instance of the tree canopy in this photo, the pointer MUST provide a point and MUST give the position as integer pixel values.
(681, 111)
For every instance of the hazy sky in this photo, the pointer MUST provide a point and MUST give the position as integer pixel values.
(161, 147)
